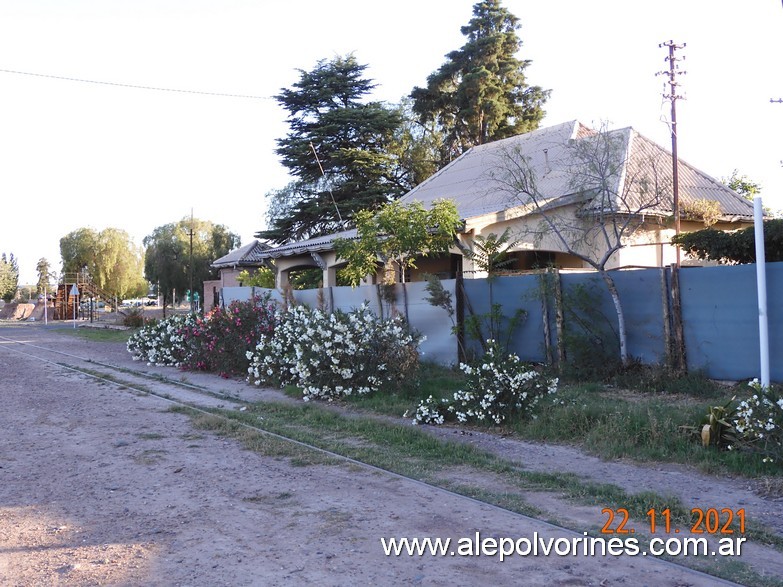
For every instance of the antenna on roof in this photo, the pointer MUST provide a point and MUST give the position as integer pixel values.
(321, 167)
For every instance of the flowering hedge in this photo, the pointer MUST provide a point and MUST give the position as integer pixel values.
(497, 387)
(218, 342)
(161, 343)
(334, 355)
(759, 422)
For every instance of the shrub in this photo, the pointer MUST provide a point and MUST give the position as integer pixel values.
(498, 387)
(220, 341)
(708, 211)
(334, 355)
(759, 422)
(134, 318)
(161, 343)
(733, 247)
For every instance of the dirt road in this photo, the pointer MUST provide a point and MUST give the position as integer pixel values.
(103, 487)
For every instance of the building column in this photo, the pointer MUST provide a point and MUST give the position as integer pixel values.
(330, 277)
(281, 279)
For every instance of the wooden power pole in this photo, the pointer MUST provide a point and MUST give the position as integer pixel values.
(673, 96)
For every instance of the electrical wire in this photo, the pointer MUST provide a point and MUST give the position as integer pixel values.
(137, 87)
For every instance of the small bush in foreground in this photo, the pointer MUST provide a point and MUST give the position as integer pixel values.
(759, 422)
(498, 387)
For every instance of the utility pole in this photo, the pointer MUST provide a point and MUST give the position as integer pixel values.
(672, 96)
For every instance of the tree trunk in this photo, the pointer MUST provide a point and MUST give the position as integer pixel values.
(620, 316)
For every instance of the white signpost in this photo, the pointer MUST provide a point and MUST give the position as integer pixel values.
(75, 294)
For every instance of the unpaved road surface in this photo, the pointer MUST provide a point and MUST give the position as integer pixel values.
(100, 486)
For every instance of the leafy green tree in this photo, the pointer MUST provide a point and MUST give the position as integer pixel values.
(742, 184)
(748, 189)
(44, 276)
(77, 249)
(490, 253)
(396, 235)
(261, 277)
(480, 94)
(169, 263)
(119, 267)
(415, 148)
(110, 257)
(9, 277)
(337, 150)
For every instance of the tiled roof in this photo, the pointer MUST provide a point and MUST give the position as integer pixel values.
(249, 255)
(311, 245)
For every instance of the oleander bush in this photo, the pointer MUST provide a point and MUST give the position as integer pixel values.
(161, 343)
(217, 342)
(497, 387)
(759, 422)
(332, 355)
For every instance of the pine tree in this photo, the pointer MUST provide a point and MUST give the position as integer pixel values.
(336, 150)
(9, 277)
(481, 93)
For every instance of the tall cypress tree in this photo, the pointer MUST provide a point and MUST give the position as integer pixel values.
(328, 118)
(480, 94)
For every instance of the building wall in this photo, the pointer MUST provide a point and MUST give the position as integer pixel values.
(212, 294)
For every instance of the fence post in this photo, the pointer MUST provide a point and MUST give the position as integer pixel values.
(545, 315)
(679, 361)
(559, 320)
(668, 343)
(459, 293)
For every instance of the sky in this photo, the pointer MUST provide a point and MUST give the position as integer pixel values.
(75, 154)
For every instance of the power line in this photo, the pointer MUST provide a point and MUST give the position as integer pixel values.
(134, 86)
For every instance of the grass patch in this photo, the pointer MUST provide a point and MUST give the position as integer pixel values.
(407, 450)
(641, 416)
(149, 457)
(645, 424)
(659, 380)
(434, 380)
(97, 334)
(614, 424)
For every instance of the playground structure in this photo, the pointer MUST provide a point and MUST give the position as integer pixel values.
(68, 304)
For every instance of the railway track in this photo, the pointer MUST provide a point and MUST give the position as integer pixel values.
(200, 399)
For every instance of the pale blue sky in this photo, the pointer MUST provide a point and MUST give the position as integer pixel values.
(75, 154)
